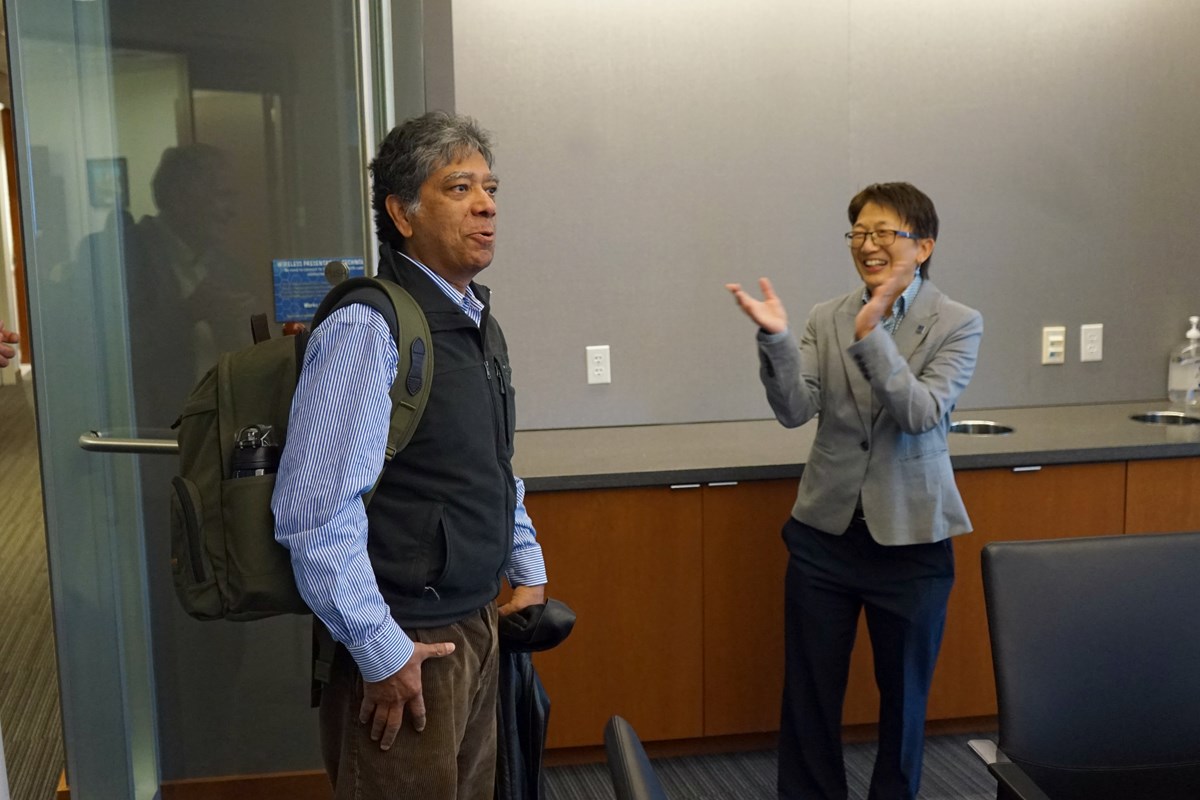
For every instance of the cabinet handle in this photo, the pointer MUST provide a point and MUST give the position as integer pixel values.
(685, 486)
(723, 483)
(1027, 469)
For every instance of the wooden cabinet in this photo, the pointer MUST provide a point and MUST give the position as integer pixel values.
(1051, 502)
(744, 564)
(629, 562)
(680, 593)
(745, 561)
(1163, 496)
(1005, 505)
(679, 596)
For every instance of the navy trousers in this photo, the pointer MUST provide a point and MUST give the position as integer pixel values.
(830, 580)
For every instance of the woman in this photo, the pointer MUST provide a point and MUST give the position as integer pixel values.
(883, 366)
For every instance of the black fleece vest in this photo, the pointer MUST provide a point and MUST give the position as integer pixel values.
(441, 521)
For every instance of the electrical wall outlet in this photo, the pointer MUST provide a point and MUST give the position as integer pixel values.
(1091, 342)
(1054, 344)
(598, 366)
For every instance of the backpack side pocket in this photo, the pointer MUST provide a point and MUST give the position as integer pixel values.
(195, 583)
(261, 581)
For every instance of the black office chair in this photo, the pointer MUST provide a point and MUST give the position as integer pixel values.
(1096, 647)
(632, 775)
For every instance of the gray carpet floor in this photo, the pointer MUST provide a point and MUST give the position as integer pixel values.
(952, 772)
(29, 716)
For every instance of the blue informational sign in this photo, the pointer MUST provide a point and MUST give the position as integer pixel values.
(300, 285)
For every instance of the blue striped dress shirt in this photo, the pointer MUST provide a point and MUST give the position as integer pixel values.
(336, 438)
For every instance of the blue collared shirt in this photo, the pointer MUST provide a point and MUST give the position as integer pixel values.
(319, 515)
(467, 302)
(900, 305)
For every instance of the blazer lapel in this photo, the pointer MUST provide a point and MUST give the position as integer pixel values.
(918, 321)
(844, 327)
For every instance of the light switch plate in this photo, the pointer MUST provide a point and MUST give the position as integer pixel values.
(1054, 344)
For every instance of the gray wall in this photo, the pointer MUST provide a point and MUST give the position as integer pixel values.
(651, 151)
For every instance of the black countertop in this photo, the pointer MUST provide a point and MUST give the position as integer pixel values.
(650, 455)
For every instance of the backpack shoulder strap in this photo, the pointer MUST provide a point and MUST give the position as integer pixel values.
(409, 393)
(414, 373)
(410, 329)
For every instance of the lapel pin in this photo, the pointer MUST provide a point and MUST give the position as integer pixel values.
(920, 329)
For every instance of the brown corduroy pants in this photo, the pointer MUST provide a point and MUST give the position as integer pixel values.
(454, 758)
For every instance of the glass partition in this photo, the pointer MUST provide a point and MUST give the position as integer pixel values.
(170, 154)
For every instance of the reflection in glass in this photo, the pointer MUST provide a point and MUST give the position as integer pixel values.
(190, 297)
(240, 129)
(172, 149)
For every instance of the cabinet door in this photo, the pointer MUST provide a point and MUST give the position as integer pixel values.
(744, 565)
(745, 561)
(628, 561)
(1050, 503)
(1163, 496)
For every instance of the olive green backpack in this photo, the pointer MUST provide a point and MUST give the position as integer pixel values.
(224, 557)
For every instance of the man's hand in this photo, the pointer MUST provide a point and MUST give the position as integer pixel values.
(384, 701)
(7, 338)
(880, 304)
(523, 597)
(768, 312)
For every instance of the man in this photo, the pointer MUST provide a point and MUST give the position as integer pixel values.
(7, 352)
(883, 367)
(408, 587)
(192, 300)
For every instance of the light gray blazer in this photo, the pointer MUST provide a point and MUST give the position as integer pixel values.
(883, 412)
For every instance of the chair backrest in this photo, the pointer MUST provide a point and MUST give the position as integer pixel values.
(1096, 648)
(632, 775)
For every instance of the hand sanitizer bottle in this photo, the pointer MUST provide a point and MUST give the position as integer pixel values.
(1183, 375)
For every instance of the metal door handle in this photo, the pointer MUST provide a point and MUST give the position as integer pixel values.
(98, 442)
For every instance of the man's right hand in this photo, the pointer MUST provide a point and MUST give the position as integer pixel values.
(384, 701)
(768, 312)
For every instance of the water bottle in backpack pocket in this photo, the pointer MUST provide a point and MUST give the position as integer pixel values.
(255, 453)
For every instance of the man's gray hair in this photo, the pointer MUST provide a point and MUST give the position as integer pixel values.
(411, 153)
